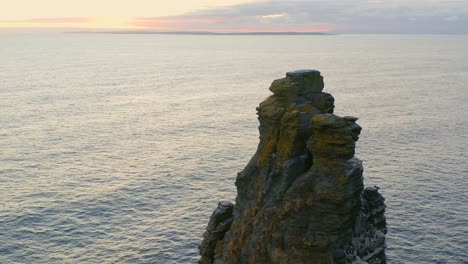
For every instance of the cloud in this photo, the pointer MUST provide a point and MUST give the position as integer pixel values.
(268, 19)
(451, 18)
(339, 16)
(274, 16)
(353, 16)
(176, 22)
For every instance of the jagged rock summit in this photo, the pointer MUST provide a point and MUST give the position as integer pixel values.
(301, 198)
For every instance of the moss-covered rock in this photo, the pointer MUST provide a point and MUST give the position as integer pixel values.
(301, 198)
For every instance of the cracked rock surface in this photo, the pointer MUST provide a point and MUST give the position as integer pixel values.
(301, 198)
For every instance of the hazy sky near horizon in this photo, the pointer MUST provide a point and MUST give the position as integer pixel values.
(344, 16)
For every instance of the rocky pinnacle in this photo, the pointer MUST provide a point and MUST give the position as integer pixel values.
(301, 198)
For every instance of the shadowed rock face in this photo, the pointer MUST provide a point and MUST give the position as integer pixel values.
(301, 198)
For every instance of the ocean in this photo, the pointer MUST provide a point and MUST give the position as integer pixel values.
(117, 148)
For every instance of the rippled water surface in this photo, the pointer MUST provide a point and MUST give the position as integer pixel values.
(117, 148)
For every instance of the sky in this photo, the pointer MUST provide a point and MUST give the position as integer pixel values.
(333, 16)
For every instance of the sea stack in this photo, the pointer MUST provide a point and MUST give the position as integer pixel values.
(301, 198)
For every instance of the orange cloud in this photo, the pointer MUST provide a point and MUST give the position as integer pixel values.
(176, 23)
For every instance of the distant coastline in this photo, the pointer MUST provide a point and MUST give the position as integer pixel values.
(200, 33)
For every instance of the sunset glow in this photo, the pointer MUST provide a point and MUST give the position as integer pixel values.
(162, 24)
(81, 23)
(353, 16)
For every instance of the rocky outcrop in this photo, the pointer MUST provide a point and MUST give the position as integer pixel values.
(219, 224)
(301, 197)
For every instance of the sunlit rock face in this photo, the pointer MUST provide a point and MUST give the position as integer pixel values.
(301, 197)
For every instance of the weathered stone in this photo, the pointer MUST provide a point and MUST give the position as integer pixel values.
(333, 138)
(311, 80)
(219, 224)
(301, 198)
(298, 83)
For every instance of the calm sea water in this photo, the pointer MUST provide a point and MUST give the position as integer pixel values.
(117, 148)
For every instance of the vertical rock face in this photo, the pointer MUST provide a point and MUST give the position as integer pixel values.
(301, 197)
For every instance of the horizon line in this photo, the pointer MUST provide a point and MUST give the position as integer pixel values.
(195, 32)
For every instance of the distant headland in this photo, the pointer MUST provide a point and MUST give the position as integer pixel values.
(260, 33)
